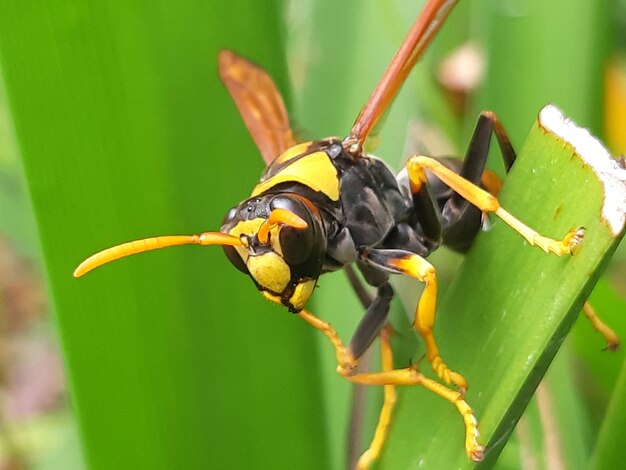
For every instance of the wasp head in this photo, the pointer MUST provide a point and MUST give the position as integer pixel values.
(283, 246)
(279, 240)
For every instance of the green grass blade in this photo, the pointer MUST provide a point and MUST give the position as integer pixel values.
(16, 219)
(600, 370)
(541, 52)
(551, 432)
(509, 307)
(173, 358)
(609, 451)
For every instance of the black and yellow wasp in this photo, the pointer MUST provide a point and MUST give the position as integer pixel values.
(324, 205)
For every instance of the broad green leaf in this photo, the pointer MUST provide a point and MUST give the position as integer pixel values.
(597, 370)
(552, 431)
(125, 131)
(539, 52)
(542, 52)
(16, 220)
(609, 451)
(599, 367)
(511, 305)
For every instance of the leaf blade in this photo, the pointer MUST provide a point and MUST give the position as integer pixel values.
(125, 131)
(506, 290)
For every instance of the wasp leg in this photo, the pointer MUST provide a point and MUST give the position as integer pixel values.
(487, 202)
(475, 161)
(384, 420)
(357, 286)
(372, 322)
(612, 340)
(426, 212)
(369, 327)
(444, 216)
(407, 376)
(345, 362)
(460, 220)
(358, 393)
(405, 262)
(411, 376)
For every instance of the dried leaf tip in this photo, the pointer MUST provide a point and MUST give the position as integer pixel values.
(610, 172)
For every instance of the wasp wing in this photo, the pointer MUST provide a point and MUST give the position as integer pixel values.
(259, 102)
(422, 32)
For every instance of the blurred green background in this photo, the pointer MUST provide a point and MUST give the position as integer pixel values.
(114, 126)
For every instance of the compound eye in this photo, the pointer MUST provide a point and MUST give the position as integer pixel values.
(233, 256)
(230, 215)
(296, 244)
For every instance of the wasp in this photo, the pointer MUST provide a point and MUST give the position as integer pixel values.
(325, 205)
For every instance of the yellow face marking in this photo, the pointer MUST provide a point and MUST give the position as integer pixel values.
(251, 227)
(315, 170)
(275, 240)
(270, 271)
(301, 294)
(245, 227)
(272, 297)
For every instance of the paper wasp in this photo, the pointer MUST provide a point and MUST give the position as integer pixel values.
(324, 205)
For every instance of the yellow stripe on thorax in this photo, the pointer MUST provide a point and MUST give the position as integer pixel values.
(315, 170)
(292, 152)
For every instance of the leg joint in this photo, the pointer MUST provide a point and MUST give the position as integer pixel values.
(417, 174)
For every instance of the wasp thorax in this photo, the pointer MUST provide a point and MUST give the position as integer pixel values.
(283, 246)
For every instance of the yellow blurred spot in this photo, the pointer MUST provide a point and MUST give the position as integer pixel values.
(615, 105)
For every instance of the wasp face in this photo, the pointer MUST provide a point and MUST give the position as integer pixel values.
(283, 246)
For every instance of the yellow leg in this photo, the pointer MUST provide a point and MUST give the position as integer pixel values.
(417, 267)
(489, 203)
(346, 363)
(612, 341)
(408, 376)
(384, 421)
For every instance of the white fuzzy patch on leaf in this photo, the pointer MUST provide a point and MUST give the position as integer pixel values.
(608, 169)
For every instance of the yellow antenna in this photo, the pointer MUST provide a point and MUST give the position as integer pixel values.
(153, 243)
(279, 216)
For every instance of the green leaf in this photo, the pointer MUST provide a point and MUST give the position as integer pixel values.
(542, 52)
(511, 305)
(609, 451)
(599, 368)
(125, 131)
(552, 432)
